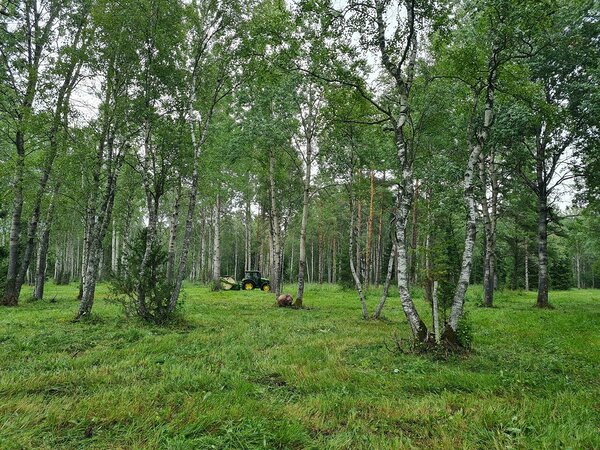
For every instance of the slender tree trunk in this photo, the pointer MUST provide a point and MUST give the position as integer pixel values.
(435, 313)
(386, 285)
(84, 258)
(359, 255)
(151, 230)
(379, 260)
(98, 219)
(489, 207)
(305, 206)
(113, 248)
(419, 330)
(403, 199)
(355, 276)
(292, 265)
(467, 259)
(259, 239)
(475, 149)
(216, 277)
(578, 266)
(153, 194)
(37, 203)
(235, 258)
(59, 119)
(40, 279)
(275, 230)
(329, 261)
(542, 297)
(11, 288)
(334, 255)
(247, 236)
(370, 229)
(98, 228)
(320, 260)
(428, 288)
(488, 291)
(126, 232)
(202, 268)
(526, 265)
(173, 234)
(414, 235)
(197, 143)
(107, 166)
(312, 262)
(11, 293)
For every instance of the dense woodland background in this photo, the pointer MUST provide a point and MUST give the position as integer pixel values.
(435, 144)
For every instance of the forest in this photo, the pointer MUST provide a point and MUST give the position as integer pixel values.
(417, 183)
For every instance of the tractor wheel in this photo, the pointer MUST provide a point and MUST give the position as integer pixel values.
(266, 287)
(248, 285)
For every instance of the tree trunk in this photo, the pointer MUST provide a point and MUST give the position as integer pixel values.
(428, 288)
(247, 236)
(358, 256)
(174, 226)
(40, 278)
(151, 230)
(355, 276)
(475, 149)
(403, 199)
(320, 250)
(435, 313)
(292, 265)
(35, 47)
(98, 227)
(578, 266)
(11, 293)
(379, 259)
(467, 258)
(197, 143)
(414, 235)
(216, 277)
(489, 208)
(386, 285)
(152, 205)
(369, 260)
(542, 297)
(334, 256)
(305, 205)
(526, 265)
(276, 272)
(418, 328)
(37, 203)
(488, 290)
(113, 248)
(58, 120)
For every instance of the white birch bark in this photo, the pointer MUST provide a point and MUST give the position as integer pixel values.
(216, 276)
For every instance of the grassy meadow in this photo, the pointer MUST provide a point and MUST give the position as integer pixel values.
(241, 373)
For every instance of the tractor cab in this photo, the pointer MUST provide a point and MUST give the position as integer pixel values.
(253, 280)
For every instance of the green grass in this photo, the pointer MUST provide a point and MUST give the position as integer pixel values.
(241, 373)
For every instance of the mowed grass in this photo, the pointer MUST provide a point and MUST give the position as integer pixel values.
(242, 373)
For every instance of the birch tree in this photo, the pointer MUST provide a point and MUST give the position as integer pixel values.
(29, 38)
(213, 43)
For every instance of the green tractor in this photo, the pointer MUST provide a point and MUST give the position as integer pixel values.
(253, 280)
